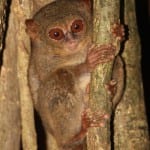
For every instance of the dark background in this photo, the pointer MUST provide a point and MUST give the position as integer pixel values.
(143, 20)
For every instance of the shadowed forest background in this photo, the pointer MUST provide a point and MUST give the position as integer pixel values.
(143, 20)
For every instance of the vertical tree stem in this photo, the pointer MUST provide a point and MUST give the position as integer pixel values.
(106, 13)
(131, 129)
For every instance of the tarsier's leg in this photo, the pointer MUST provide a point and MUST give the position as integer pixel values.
(116, 85)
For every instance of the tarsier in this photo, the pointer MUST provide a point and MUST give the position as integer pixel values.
(62, 59)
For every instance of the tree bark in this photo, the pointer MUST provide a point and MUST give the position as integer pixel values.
(16, 109)
(129, 123)
(3, 8)
(131, 129)
(10, 128)
(99, 138)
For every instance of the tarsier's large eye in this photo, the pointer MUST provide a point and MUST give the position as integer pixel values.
(77, 26)
(56, 34)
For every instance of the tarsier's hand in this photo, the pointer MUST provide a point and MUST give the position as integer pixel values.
(93, 119)
(98, 55)
(90, 119)
(118, 31)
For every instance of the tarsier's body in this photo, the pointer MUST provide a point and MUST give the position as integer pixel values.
(62, 58)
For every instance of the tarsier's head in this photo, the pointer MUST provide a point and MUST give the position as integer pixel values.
(64, 26)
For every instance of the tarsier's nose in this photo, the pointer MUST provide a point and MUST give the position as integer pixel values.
(71, 42)
(69, 36)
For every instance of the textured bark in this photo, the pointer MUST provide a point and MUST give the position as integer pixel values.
(22, 10)
(129, 129)
(16, 109)
(3, 8)
(99, 138)
(9, 90)
(130, 118)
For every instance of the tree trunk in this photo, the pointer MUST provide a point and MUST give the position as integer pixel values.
(129, 124)
(130, 118)
(10, 128)
(99, 138)
(3, 8)
(16, 109)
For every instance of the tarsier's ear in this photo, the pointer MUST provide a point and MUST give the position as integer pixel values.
(32, 28)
